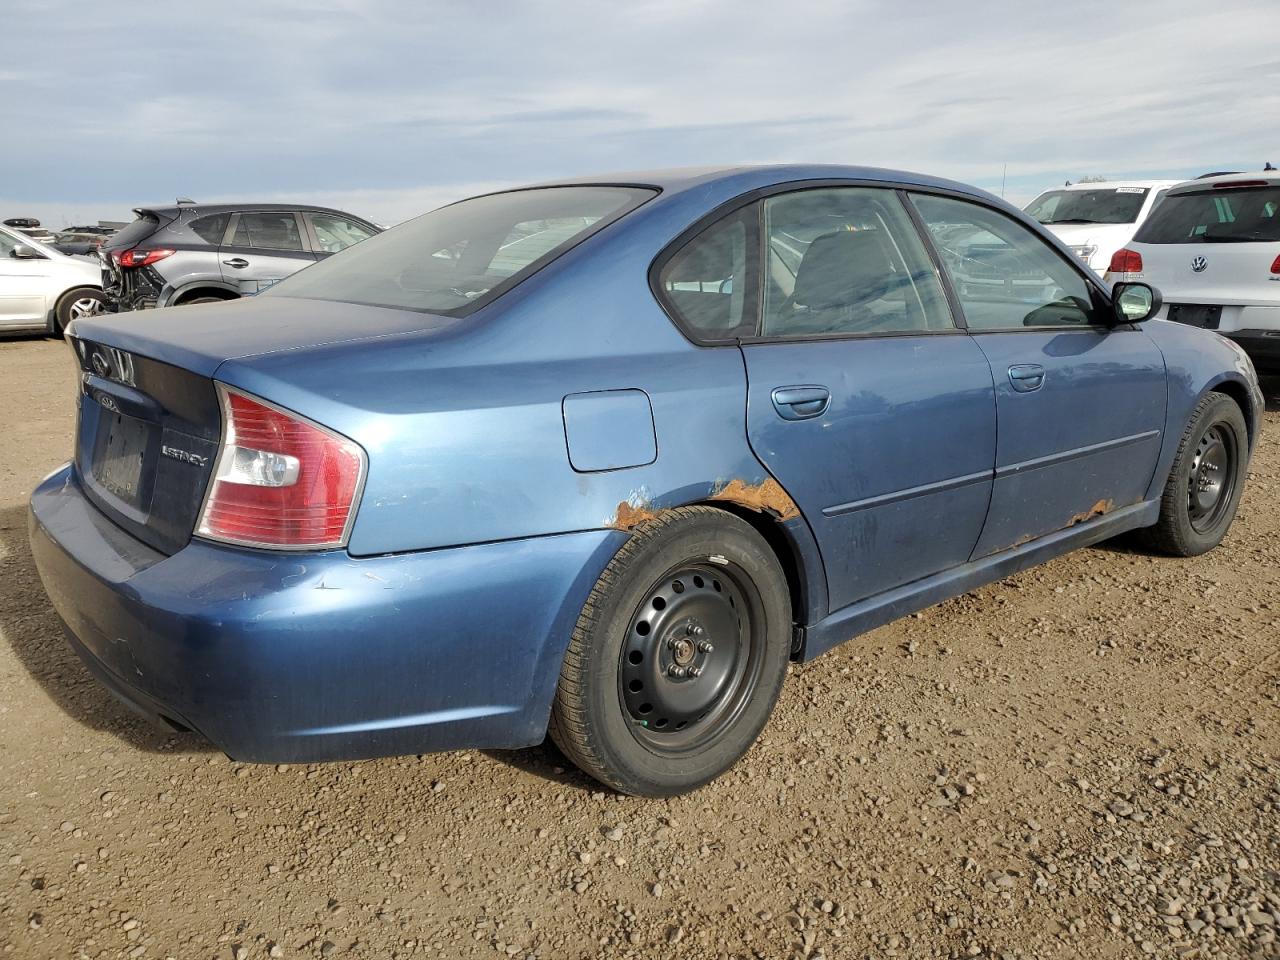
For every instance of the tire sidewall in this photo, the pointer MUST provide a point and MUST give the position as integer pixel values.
(62, 310)
(1224, 411)
(697, 539)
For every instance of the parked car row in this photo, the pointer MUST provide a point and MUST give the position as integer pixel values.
(204, 253)
(42, 288)
(1211, 245)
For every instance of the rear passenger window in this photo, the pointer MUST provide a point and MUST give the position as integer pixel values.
(268, 231)
(705, 285)
(210, 229)
(847, 260)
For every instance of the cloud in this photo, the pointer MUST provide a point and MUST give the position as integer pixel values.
(392, 102)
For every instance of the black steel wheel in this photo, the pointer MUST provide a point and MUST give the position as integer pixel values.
(692, 657)
(678, 655)
(1205, 482)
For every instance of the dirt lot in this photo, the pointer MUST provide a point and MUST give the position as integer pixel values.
(1081, 761)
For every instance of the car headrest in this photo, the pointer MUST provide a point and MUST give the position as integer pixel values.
(843, 269)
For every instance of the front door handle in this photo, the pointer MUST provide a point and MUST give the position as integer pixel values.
(801, 402)
(1026, 377)
(238, 262)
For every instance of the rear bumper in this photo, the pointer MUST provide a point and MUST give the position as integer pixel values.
(307, 657)
(1262, 346)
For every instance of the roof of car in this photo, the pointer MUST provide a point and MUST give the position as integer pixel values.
(756, 176)
(1270, 177)
(176, 210)
(1114, 184)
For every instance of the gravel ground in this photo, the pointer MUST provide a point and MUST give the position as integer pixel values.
(1079, 761)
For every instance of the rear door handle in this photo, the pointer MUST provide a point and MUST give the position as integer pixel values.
(238, 262)
(1026, 377)
(801, 402)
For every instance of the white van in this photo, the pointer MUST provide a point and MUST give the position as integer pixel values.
(1097, 219)
(1213, 251)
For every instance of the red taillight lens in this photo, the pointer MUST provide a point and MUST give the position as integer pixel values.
(1240, 184)
(280, 481)
(1275, 265)
(138, 257)
(1125, 261)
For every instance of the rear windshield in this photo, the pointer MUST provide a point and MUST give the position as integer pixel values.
(135, 232)
(459, 257)
(1215, 215)
(1112, 205)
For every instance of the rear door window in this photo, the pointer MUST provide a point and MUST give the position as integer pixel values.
(847, 260)
(268, 231)
(1215, 215)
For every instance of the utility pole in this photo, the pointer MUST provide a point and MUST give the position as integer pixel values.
(1003, 175)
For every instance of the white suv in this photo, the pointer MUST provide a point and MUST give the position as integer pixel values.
(1213, 251)
(1097, 219)
(42, 288)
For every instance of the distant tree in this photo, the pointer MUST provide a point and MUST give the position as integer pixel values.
(1093, 178)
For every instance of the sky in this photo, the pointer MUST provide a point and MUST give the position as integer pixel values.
(389, 108)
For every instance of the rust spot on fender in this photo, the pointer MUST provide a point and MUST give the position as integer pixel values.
(629, 516)
(766, 497)
(1099, 509)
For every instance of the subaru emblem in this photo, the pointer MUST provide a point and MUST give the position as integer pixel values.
(1198, 264)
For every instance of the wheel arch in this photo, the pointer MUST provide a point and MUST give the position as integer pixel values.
(1239, 392)
(192, 288)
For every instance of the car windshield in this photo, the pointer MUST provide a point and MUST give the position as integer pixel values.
(1108, 205)
(459, 257)
(1216, 215)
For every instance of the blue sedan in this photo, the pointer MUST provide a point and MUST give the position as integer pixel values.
(599, 458)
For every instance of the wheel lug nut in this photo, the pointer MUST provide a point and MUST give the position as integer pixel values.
(705, 646)
(694, 672)
(676, 671)
(698, 631)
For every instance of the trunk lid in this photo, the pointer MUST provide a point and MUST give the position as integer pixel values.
(149, 423)
(1217, 273)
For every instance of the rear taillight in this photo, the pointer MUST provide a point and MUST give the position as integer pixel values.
(1125, 261)
(137, 257)
(281, 481)
(1275, 265)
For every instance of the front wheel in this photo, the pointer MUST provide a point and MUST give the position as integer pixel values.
(678, 656)
(1204, 486)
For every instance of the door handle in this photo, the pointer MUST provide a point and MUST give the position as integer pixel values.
(801, 402)
(1026, 377)
(238, 262)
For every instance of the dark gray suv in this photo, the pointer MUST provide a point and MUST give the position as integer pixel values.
(198, 253)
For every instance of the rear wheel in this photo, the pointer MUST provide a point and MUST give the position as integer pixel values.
(678, 656)
(203, 298)
(1203, 491)
(72, 305)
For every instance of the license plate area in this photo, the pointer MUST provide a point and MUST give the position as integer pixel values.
(1203, 315)
(122, 449)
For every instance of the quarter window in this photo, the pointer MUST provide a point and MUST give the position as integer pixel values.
(705, 284)
(1006, 277)
(211, 228)
(268, 231)
(847, 260)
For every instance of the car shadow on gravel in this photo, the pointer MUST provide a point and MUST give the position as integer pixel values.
(34, 633)
(1271, 390)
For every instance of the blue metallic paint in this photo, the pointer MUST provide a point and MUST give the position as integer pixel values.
(609, 430)
(283, 658)
(477, 540)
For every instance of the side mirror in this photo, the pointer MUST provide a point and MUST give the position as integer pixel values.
(1135, 302)
(23, 252)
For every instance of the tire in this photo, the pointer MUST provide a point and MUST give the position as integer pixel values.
(75, 303)
(1203, 491)
(678, 656)
(194, 300)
